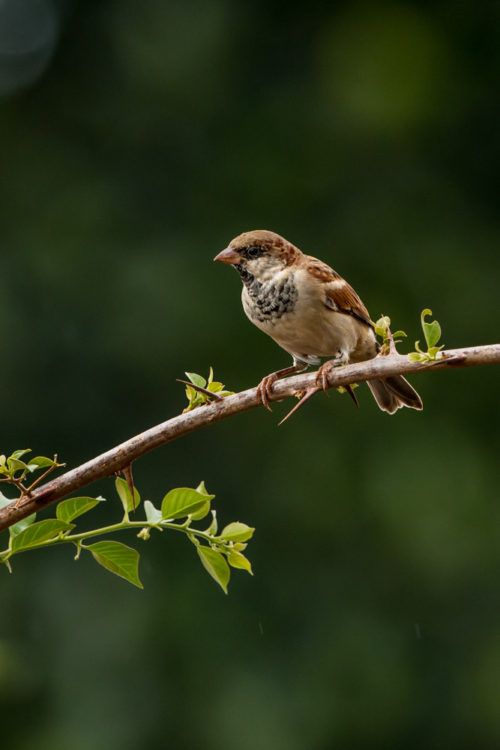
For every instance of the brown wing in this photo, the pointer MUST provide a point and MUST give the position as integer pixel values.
(339, 295)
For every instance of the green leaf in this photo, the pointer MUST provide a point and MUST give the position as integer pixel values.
(416, 357)
(236, 532)
(4, 501)
(67, 510)
(20, 525)
(399, 334)
(201, 513)
(182, 502)
(196, 379)
(18, 454)
(203, 490)
(212, 529)
(434, 351)
(432, 331)
(382, 325)
(237, 560)
(124, 493)
(15, 464)
(215, 387)
(39, 532)
(215, 564)
(417, 347)
(190, 393)
(40, 462)
(153, 515)
(118, 558)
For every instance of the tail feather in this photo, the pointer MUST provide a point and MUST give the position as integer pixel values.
(394, 392)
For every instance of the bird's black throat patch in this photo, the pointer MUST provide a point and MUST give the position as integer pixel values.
(269, 300)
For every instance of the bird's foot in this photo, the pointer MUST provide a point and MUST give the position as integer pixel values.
(325, 370)
(265, 388)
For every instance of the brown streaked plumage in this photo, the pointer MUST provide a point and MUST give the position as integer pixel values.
(310, 311)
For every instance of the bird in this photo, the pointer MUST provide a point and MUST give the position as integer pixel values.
(311, 312)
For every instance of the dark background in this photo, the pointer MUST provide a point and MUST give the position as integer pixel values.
(137, 138)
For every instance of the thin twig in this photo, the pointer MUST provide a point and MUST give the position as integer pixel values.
(117, 458)
(200, 389)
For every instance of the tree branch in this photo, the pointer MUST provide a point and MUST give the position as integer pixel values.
(120, 457)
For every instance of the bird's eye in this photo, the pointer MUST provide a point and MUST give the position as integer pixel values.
(254, 252)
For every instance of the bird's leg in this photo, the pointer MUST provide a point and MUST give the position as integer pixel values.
(265, 387)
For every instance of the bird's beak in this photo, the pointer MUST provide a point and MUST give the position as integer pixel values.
(229, 256)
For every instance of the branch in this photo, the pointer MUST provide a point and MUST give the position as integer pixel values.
(119, 458)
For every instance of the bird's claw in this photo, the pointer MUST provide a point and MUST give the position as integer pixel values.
(322, 375)
(265, 389)
(322, 379)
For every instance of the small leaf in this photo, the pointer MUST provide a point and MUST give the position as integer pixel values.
(203, 490)
(417, 347)
(215, 564)
(21, 525)
(4, 501)
(210, 375)
(196, 379)
(15, 464)
(432, 330)
(434, 352)
(212, 529)
(215, 387)
(16, 528)
(190, 393)
(416, 357)
(201, 513)
(237, 560)
(39, 532)
(182, 502)
(40, 462)
(118, 558)
(237, 532)
(69, 509)
(382, 325)
(153, 515)
(398, 334)
(124, 493)
(18, 454)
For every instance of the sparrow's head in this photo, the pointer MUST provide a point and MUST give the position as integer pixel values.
(260, 254)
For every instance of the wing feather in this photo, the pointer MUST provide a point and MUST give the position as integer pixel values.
(339, 295)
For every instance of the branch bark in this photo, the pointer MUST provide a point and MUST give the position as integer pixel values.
(119, 458)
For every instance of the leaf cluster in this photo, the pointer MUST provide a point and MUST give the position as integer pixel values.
(203, 390)
(14, 470)
(218, 552)
(432, 334)
(383, 330)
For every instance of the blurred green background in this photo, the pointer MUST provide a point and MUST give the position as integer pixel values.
(137, 139)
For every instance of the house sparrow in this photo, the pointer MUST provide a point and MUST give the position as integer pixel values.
(310, 311)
